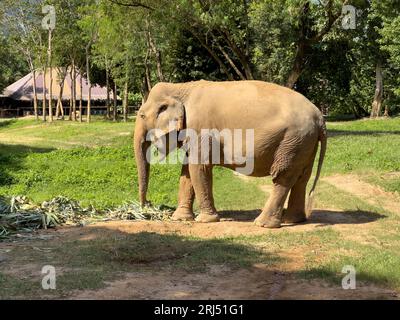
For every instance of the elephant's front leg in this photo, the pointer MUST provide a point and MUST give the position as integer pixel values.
(184, 212)
(201, 176)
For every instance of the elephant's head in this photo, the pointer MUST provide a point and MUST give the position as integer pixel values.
(162, 113)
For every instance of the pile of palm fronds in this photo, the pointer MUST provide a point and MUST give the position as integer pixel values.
(19, 214)
(133, 211)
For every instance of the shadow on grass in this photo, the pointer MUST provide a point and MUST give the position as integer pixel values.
(6, 123)
(341, 118)
(375, 133)
(322, 217)
(12, 157)
(102, 246)
(93, 256)
(329, 217)
(240, 215)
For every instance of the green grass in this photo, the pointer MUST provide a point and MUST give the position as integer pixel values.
(372, 264)
(64, 134)
(364, 147)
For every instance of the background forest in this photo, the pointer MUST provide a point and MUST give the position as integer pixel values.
(128, 46)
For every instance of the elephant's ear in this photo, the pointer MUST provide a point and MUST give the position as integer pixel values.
(171, 116)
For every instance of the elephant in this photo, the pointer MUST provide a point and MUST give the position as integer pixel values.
(288, 129)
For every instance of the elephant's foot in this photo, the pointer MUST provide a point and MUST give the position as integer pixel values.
(207, 217)
(183, 214)
(268, 221)
(290, 216)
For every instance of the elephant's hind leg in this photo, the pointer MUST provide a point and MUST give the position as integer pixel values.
(295, 212)
(184, 212)
(271, 215)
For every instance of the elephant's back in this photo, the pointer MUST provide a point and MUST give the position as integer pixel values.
(255, 104)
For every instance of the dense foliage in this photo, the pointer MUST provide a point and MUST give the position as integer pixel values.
(303, 44)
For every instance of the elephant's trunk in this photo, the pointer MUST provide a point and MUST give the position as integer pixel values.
(143, 167)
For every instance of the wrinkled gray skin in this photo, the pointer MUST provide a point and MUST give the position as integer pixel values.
(287, 127)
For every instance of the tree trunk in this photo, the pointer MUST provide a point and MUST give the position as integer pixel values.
(386, 114)
(298, 65)
(71, 98)
(144, 91)
(230, 61)
(146, 85)
(108, 92)
(147, 71)
(73, 91)
(156, 52)
(243, 56)
(213, 54)
(126, 101)
(304, 44)
(34, 85)
(44, 95)
(59, 108)
(378, 98)
(35, 100)
(51, 80)
(89, 84)
(247, 22)
(80, 97)
(115, 102)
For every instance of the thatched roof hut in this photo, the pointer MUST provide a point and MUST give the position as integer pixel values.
(22, 89)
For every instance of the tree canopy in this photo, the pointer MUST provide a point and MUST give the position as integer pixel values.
(312, 46)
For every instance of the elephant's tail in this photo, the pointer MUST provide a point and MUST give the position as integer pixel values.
(323, 137)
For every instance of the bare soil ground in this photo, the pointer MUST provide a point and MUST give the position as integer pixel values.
(159, 280)
(221, 283)
(369, 193)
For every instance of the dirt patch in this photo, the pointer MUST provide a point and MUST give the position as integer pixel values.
(220, 282)
(7, 139)
(371, 194)
(392, 175)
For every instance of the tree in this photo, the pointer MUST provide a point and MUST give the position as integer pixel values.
(389, 13)
(289, 31)
(89, 27)
(21, 23)
(69, 45)
(12, 63)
